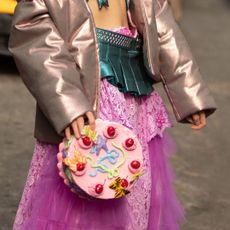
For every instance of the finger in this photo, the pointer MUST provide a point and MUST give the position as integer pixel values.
(202, 121)
(80, 123)
(75, 129)
(196, 119)
(198, 126)
(67, 133)
(201, 125)
(91, 120)
(203, 118)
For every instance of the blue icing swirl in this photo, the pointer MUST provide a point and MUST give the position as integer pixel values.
(111, 155)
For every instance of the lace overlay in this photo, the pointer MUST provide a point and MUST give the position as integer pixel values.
(125, 30)
(146, 116)
(38, 160)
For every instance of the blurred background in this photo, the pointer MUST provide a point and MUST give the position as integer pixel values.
(203, 157)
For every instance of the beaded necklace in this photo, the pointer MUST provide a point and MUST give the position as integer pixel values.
(105, 3)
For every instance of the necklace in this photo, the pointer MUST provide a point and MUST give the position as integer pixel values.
(105, 3)
(102, 3)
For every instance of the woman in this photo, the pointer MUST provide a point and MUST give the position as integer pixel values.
(59, 48)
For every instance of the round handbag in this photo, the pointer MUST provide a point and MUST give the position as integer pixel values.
(104, 163)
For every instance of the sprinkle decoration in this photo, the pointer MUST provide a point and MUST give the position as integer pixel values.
(68, 142)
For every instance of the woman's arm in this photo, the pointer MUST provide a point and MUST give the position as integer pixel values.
(185, 87)
(45, 65)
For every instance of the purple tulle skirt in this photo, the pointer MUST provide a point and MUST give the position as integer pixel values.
(48, 204)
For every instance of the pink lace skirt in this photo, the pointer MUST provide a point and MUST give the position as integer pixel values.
(48, 204)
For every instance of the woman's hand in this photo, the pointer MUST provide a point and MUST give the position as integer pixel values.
(78, 124)
(198, 120)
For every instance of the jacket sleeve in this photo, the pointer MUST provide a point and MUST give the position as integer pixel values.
(184, 85)
(46, 65)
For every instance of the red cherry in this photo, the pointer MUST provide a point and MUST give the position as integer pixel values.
(80, 166)
(111, 131)
(129, 142)
(99, 188)
(135, 164)
(124, 183)
(87, 141)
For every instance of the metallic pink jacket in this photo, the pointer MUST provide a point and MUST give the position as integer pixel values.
(55, 48)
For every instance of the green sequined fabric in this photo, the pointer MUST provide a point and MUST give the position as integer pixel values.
(121, 63)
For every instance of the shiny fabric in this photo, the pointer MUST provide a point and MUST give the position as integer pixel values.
(55, 48)
(121, 63)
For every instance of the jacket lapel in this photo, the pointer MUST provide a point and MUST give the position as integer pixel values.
(143, 16)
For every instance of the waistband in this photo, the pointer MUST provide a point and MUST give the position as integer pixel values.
(119, 40)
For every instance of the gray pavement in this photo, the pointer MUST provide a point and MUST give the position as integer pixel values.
(202, 161)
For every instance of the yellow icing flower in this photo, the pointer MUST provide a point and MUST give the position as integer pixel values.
(71, 162)
(119, 189)
(87, 131)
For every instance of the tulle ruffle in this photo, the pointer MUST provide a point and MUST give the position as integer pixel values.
(48, 204)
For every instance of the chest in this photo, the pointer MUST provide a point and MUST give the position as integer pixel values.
(113, 15)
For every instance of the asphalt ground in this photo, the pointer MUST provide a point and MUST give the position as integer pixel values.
(202, 161)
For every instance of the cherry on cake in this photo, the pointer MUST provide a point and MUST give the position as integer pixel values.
(104, 163)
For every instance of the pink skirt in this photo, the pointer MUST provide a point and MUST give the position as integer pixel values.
(48, 204)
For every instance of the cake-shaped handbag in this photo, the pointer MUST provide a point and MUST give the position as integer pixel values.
(104, 163)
